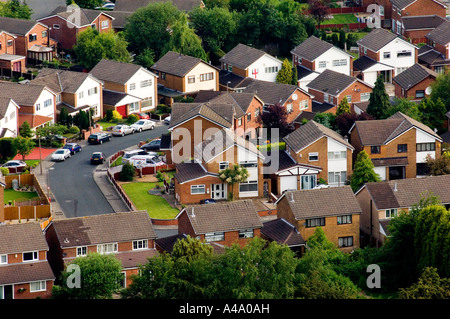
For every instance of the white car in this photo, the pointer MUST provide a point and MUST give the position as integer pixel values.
(15, 164)
(61, 154)
(167, 120)
(143, 125)
(122, 130)
(145, 160)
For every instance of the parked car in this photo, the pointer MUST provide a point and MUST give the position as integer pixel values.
(167, 120)
(98, 158)
(152, 145)
(15, 164)
(61, 154)
(122, 130)
(73, 147)
(130, 154)
(208, 201)
(98, 138)
(143, 116)
(145, 160)
(143, 125)
(107, 5)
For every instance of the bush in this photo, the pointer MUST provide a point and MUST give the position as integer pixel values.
(163, 109)
(4, 170)
(128, 172)
(109, 115)
(116, 116)
(132, 118)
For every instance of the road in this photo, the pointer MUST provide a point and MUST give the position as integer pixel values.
(72, 182)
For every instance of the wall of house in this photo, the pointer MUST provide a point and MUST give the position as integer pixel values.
(113, 86)
(422, 137)
(171, 81)
(398, 62)
(144, 92)
(98, 23)
(92, 100)
(26, 294)
(260, 67)
(66, 35)
(183, 191)
(49, 110)
(411, 92)
(321, 147)
(311, 65)
(335, 54)
(296, 110)
(249, 127)
(198, 85)
(235, 70)
(369, 53)
(417, 36)
(10, 120)
(4, 38)
(23, 43)
(420, 8)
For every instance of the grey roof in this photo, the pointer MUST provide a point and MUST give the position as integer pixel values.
(167, 243)
(311, 48)
(177, 64)
(433, 57)
(16, 26)
(422, 22)
(331, 82)
(309, 133)
(441, 34)
(242, 56)
(231, 80)
(363, 63)
(120, 18)
(282, 232)
(188, 171)
(114, 71)
(114, 97)
(306, 204)
(133, 5)
(61, 80)
(22, 94)
(446, 137)
(18, 238)
(223, 216)
(43, 8)
(4, 103)
(402, 3)
(85, 16)
(25, 272)
(377, 39)
(413, 75)
(222, 114)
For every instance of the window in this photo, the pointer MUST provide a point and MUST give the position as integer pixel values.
(223, 165)
(32, 37)
(219, 236)
(349, 98)
(92, 91)
(425, 147)
(251, 186)
(325, 97)
(387, 55)
(402, 148)
(391, 213)
(163, 76)
(337, 155)
(257, 112)
(3, 259)
(365, 50)
(197, 189)
(240, 121)
(140, 244)
(420, 93)
(315, 222)
(345, 241)
(375, 149)
(147, 102)
(38, 107)
(271, 69)
(10, 43)
(249, 117)
(58, 98)
(400, 70)
(132, 86)
(246, 233)
(289, 108)
(56, 26)
(81, 95)
(308, 182)
(303, 104)
(337, 177)
(364, 97)
(37, 286)
(107, 248)
(48, 102)
(191, 79)
(346, 219)
(340, 62)
(105, 24)
(322, 64)
(81, 251)
(133, 107)
(30, 256)
(44, 33)
(404, 53)
(230, 68)
(312, 157)
(248, 164)
(146, 83)
(206, 76)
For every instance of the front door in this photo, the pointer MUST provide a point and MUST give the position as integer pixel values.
(218, 191)
(6, 292)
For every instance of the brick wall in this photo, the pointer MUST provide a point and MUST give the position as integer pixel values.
(411, 92)
(4, 38)
(252, 125)
(65, 36)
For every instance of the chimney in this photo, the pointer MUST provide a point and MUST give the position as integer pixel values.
(395, 187)
(346, 138)
(192, 212)
(292, 197)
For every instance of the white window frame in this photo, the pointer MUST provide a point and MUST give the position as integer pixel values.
(337, 155)
(339, 62)
(303, 104)
(346, 241)
(35, 256)
(335, 177)
(56, 26)
(326, 97)
(146, 83)
(81, 94)
(105, 24)
(322, 64)
(389, 213)
(4, 259)
(289, 108)
(197, 189)
(216, 236)
(344, 220)
(109, 248)
(223, 165)
(364, 96)
(133, 107)
(246, 233)
(41, 283)
(313, 154)
(81, 251)
(349, 98)
(132, 86)
(249, 183)
(38, 106)
(140, 244)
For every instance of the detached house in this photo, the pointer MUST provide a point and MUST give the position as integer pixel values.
(435, 55)
(250, 62)
(381, 201)
(181, 75)
(25, 272)
(67, 22)
(224, 223)
(339, 216)
(127, 87)
(398, 146)
(9, 117)
(415, 28)
(129, 236)
(414, 83)
(74, 90)
(9, 60)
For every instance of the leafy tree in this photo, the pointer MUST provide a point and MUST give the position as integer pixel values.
(100, 278)
(127, 173)
(233, 175)
(326, 119)
(24, 146)
(191, 248)
(440, 165)
(275, 118)
(132, 118)
(363, 171)
(87, 4)
(146, 58)
(405, 106)
(439, 89)
(63, 116)
(25, 130)
(116, 116)
(7, 149)
(319, 9)
(429, 286)
(433, 113)
(335, 39)
(15, 9)
(379, 99)
(345, 121)
(284, 75)
(109, 115)
(342, 39)
(343, 107)
(294, 76)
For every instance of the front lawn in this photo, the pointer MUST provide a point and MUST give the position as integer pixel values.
(156, 206)
(12, 195)
(345, 18)
(105, 125)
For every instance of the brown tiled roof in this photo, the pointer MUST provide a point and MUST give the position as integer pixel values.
(85, 16)
(311, 48)
(282, 232)
(18, 238)
(22, 94)
(34, 120)
(240, 101)
(16, 26)
(307, 204)
(132, 259)
(222, 114)
(390, 161)
(441, 34)
(25, 272)
(114, 71)
(188, 171)
(106, 228)
(242, 56)
(61, 80)
(285, 161)
(409, 191)
(177, 64)
(413, 75)
(332, 82)
(223, 216)
(377, 39)
(4, 103)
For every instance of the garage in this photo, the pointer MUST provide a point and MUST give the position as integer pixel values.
(288, 183)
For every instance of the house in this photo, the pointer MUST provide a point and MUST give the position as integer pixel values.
(435, 54)
(329, 88)
(386, 48)
(9, 117)
(182, 75)
(412, 8)
(247, 108)
(381, 201)
(313, 56)
(199, 178)
(315, 144)
(414, 83)
(67, 23)
(398, 146)
(120, 18)
(224, 223)
(128, 88)
(338, 217)
(415, 28)
(9, 60)
(133, 5)
(37, 102)
(284, 233)
(74, 90)
(33, 39)
(25, 272)
(251, 62)
(129, 236)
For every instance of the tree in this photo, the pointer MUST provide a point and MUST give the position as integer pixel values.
(379, 99)
(319, 9)
(191, 248)
(24, 146)
(294, 76)
(146, 58)
(343, 107)
(433, 113)
(439, 89)
(275, 118)
(326, 119)
(233, 175)
(14, 9)
(25, 130)
(405, 106)
(284, 75)
(342, 39)
(87, 4)
(363, 171)
(7, 149)
(63, 116)
(440, 165)
(100, 278)
(127, 173)
(429, 286)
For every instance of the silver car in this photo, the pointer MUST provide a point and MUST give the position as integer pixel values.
(143, 125)
(122, 130)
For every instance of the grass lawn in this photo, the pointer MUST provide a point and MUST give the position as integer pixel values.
(32, 163)
(156, 206)
(117, 162)
(12, 195)
(345, 18)
(105, 125)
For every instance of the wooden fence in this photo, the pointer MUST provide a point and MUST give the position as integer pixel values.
(351, 26)
(27, 212)
(112, 178)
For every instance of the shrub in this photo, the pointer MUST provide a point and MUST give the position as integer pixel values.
(74, 130)
(4, 170)
(128, 172)
(109, 115)
(116, 116)
(132, 118)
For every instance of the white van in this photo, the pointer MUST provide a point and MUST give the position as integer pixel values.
(145, 160)
(135, 152)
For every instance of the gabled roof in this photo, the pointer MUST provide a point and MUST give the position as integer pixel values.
(441, 34)
(282, 232)
(189, 171)
(104, 228)
(221, 114)
(422, 22)
(62, 80)
(309, 133)
(332, 82)
(222, 217)
(312, 48)
(403, 193)
(22, 94)
(17, 26)
(25, 272)
(4, 104)
(116, 98)
(402, 4)
(177, 64)
(84, 16)
(231, 80)
(287, 163)
(378, 39)
(133, 5)
(306, 204)
(120, 18)
(18, 238)
(117, 72)
(242, 56)
(432, 57)
(413, 75)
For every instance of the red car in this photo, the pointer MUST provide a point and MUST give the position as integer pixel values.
(143, 116)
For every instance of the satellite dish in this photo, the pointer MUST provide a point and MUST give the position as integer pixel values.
(428, 90)
(294, 97)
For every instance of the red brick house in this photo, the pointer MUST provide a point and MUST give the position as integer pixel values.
(224, 223)
(129, 236)
(435, 55)
(9, 60)
(414, 83)
(25, 272)
(416, 28)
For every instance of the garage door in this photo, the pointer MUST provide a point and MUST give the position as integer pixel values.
(288, 182)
